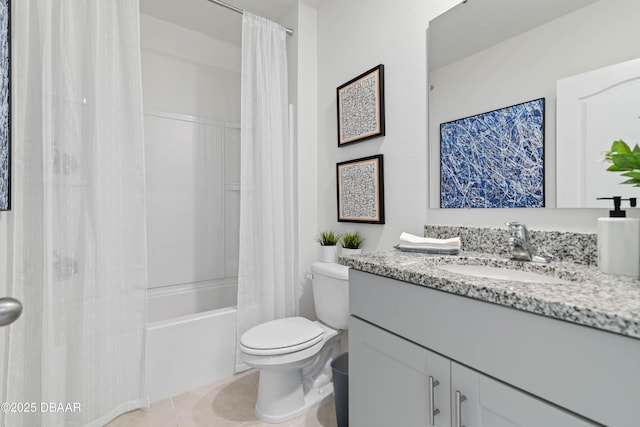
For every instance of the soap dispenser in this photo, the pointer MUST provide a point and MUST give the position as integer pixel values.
(619, 241)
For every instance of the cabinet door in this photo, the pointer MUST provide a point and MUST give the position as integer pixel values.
(486, 402)
(389, 380)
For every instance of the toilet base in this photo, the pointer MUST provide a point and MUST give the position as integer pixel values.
(303, 403)
(289, 391)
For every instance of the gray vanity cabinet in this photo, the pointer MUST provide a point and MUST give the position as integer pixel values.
(394, 382)
(490, 403)
(513, 368)
(391, 380)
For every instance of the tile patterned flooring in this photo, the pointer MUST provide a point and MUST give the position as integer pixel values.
(227, 403)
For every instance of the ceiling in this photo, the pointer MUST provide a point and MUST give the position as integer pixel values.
(211, 19)
(474, 25)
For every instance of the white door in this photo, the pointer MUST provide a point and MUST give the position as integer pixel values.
(4, 291)
(593, 110)
(7, 306)
(4, 277)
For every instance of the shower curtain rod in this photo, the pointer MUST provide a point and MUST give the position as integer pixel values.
(240, 11)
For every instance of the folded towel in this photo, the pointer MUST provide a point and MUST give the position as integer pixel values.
(425, 250)
(411, 240)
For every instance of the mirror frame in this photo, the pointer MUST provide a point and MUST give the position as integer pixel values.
(589, 49)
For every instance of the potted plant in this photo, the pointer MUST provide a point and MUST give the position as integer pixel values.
(626, 160)
(351, 243)
(328, 241)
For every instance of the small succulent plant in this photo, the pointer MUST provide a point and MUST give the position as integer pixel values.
(352, 240)
(329, 238)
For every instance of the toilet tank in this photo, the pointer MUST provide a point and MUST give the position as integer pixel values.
(331, 293)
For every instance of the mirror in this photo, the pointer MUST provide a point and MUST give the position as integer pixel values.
(485, 55)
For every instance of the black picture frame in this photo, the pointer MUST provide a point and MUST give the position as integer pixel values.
(5, 105)
(360, 105)
(360, 190)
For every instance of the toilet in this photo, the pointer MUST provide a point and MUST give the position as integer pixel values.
(294, 354)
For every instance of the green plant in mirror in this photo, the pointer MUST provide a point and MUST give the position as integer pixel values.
(352, 240)
(624, 159)
(329, 238)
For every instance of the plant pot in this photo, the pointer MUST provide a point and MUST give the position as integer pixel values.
(329, 253)
(347, 251)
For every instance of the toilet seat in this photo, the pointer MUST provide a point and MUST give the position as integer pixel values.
(281, 336)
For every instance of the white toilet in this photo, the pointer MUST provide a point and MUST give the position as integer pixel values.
(294, 354)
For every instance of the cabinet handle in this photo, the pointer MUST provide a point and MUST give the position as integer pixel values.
(432, 411)
(459, 399)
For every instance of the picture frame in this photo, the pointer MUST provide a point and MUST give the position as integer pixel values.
(494, 159)
(5, 105)
(360, 105)
(360, 188)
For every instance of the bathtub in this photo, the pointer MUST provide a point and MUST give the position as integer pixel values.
(191, 336)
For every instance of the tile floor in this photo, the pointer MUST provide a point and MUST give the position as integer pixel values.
(228, 403)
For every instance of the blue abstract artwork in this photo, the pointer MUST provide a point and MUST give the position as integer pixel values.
(5, 146)
(494, 159)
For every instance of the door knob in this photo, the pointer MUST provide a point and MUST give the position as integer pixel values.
(10, 310)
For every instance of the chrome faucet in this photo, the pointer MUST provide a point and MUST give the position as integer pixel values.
(520, 248)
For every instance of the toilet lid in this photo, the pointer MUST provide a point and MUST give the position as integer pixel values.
(281, 336)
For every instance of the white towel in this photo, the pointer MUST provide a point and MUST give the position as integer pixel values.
(411, 240)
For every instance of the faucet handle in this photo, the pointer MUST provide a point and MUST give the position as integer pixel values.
(518, 229)
(542, 257)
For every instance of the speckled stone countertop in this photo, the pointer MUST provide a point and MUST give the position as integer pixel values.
(587, 297)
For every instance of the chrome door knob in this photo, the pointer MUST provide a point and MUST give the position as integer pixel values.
(10, 310)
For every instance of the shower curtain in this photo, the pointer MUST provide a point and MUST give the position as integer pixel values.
(76, 355)
(267, 248)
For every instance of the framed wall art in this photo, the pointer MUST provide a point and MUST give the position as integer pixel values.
(361, 107)
(361, 190)
(5, 105)
(494, 159)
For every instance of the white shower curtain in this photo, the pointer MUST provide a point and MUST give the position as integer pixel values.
(267, 248)
(78, 239)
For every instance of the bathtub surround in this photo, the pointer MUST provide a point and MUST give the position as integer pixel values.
(78, 226)
(267, 226)
(191, 336)
(191, 89)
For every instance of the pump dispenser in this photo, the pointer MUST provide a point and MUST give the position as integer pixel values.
(619, 240)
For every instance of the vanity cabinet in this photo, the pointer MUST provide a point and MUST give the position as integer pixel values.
(396, 382)
(513, 368)
(491, 403)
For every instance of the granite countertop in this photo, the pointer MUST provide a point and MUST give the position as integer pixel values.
(586, 296)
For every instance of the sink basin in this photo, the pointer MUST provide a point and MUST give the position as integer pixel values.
(501, 273)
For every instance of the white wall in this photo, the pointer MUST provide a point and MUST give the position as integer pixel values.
(303, 94)
(4, 291)
(356, 35)
(307, 152)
